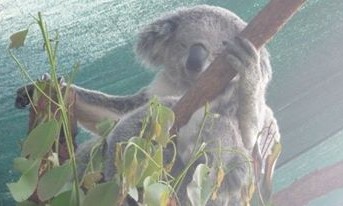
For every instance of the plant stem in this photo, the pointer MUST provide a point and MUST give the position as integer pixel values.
(65, 121)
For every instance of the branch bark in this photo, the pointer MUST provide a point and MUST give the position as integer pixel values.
(213, 81)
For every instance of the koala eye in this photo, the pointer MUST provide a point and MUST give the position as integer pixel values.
(197, 57)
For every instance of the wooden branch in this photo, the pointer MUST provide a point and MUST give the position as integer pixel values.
(213, 81)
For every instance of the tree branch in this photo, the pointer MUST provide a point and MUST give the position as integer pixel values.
(213, 81)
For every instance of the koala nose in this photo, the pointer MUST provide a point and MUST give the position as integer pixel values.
(196, 58)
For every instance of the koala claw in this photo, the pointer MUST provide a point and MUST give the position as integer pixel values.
(45, 77)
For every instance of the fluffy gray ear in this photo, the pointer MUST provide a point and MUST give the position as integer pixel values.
(150, 43)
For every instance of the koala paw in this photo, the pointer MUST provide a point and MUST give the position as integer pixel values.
(25, 93)
(244, 58)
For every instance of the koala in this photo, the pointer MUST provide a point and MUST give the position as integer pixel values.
(180, 45)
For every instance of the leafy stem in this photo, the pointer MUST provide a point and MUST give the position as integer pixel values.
(65, 121)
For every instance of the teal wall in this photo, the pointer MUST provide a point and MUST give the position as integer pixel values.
(306, 56)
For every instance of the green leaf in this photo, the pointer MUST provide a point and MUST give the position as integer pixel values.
(27, 183)
(131, 168)
(105, 127)
(104, 194)
(159, 121)
(91, 179)
(133, 192)
(152, 168)
(150, 180)
(26, 203)
(40, 139)
(22, 164)
(166, 120)
(53, 181)
(200, 189)
(18, 39)
(156, 194)
(134, 160)
(64, 199)
(96, 160)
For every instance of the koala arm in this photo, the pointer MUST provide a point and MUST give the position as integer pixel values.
(244, 58)
(92, 107)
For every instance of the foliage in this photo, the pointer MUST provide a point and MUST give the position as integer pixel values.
(44, 175)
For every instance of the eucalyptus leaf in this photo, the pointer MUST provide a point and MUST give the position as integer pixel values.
(160, 121)
(104, 194)
(105, 127)
(27, 183)
(91, 179)
(157, 194)
(166, 120)
(26, 203)
(131, 168)
(134, 160)
(64, 199)
(152, 168)
(133, 192)
(22, 164)
(96, 156)
(40, 139)
(199, 190)
(18, 39)
(53, 181)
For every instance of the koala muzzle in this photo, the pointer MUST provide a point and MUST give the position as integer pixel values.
(196, 58)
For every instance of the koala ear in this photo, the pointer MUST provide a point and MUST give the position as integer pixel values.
(150, 44)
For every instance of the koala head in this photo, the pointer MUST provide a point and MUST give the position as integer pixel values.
(185, 42)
